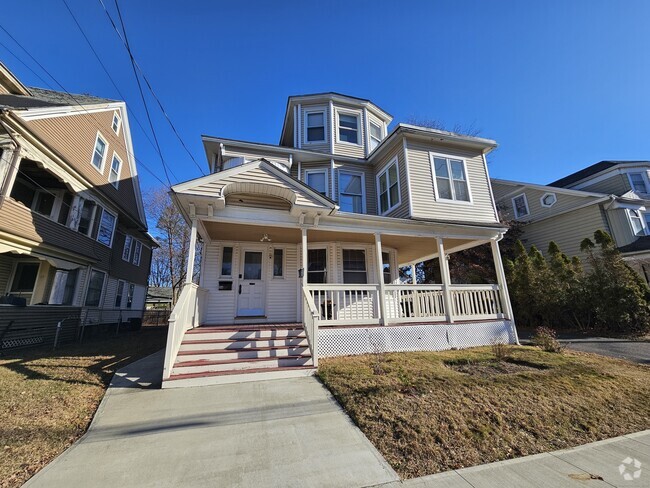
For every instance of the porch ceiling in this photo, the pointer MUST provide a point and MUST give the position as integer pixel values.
(243, 232)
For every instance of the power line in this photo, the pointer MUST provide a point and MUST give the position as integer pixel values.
(146, 107)
(139, 162)
(146, 80)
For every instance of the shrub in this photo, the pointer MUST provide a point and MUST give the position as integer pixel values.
(500, 350)
(546, 339)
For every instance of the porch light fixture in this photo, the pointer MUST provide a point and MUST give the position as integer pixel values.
(265, 238)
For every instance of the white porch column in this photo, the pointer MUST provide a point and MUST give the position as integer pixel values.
(501, 279)
(380, 273)
(304, 257)
(446, 280)
(192, 254)
(414, 276)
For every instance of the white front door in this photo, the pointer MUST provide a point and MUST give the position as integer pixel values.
(250, 300)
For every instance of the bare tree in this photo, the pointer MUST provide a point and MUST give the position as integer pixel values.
(169, 261)
(470, 130)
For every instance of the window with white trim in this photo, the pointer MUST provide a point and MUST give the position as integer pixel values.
(317, 265)
(99, 153)
(348, 128)
(63, 287)
(116, 168)
(87, 216)
(126, 251)
(451, 179)
(386, 272)
(637, 221)
(548, 200)
(315, 126)
(375, 135)
(137, 253)
(129, 295)
(520, 206)
(226, 261)
(95, 288)
(119, 294)
(351, 192)
(106, 228)
(117, 122)
(317, 179)
(354, 267)
(278, 263)
(638, 182)
(388, 187)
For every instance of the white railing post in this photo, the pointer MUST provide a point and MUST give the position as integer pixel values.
(380, 274)
(192, 254)
(414, 276)
(304, 257)
(446, 280)
(501, 279)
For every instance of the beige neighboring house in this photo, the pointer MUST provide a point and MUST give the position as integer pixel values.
(303, 241)
(610, 195)
(73, 234)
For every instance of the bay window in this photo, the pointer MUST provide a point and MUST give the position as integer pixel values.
(388, 186)
(317, 266)
(349, 128)
(317, 179)
(351, 194)
(316, 126)
(375, 136)
(354, 266)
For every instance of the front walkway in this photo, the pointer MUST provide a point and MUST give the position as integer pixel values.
(284, 433)
(269, 433)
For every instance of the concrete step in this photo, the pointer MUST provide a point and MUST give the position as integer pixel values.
(210, 333)
(215, 344)
(209, 365)
(241, 376)
(247, 353)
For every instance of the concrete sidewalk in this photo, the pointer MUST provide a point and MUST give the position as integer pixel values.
(283, 433)
(270, 433)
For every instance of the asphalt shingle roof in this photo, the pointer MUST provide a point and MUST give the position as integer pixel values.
(48, 98)
(588, 171)
(641, 244)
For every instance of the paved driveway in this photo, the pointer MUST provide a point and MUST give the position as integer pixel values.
(269, 433)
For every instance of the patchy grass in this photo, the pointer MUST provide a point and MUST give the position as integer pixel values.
(48, 398)
(429, 412)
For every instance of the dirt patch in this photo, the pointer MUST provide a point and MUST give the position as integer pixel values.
(491, 368)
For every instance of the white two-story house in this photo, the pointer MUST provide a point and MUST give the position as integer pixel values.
(303, 241)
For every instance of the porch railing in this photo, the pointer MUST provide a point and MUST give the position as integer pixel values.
(348, 304)
(339, 304)
(186, 315)
(310, 320)
(476, 302)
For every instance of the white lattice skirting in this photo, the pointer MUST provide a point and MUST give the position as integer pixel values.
(401, 338)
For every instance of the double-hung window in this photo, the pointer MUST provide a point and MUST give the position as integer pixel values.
(388, 185)
(278, 263)
(129, 295)
(450, 179)
(106, 228)
(126, 251)
(349, 128)
(375, 135)
(99, 153)
(385, 258)
(637, 221)
(315, 126)
(95, 288)
(520, 206)
(317, 179)
(63, 287)
(117, 123)
(114, 174)
(351, 193)
(137, 253)
(638, 182)
(317, 266)
(119, 294)
(87, 217)
(354, 266)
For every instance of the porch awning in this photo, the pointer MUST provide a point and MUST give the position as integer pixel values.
(54, 261)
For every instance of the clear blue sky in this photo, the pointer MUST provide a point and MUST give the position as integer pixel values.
(559, 84)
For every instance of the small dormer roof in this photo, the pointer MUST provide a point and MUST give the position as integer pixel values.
(293, 100)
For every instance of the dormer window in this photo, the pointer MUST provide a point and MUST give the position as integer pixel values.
(638, 182)
(349, 128)
(117, 122)
(375, 135)
(316, 126)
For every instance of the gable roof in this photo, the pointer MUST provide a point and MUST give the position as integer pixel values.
(48, 98)
(589, 171)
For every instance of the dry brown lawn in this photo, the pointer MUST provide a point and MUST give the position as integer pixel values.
(429, 412)
(48, 398)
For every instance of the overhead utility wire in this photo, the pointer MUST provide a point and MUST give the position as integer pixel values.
(146, 80)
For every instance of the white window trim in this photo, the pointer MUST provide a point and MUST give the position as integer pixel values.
(119, 122)
(366, 254)
(115, 183)
(117, 292)
(103, 292)
(354, 113)
(315, 110)
(92, 156)
(110, 245)
(394, 161)
(644, 175)
(308, 172)
(433, 155)
(127, 238)
(371, 138)
(363, 186)
(316, 246)
(135, 245)
(641, 217)
(514, 207)
(284, 263)
(541, 200)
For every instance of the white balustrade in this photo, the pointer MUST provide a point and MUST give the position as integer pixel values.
(476, 302)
